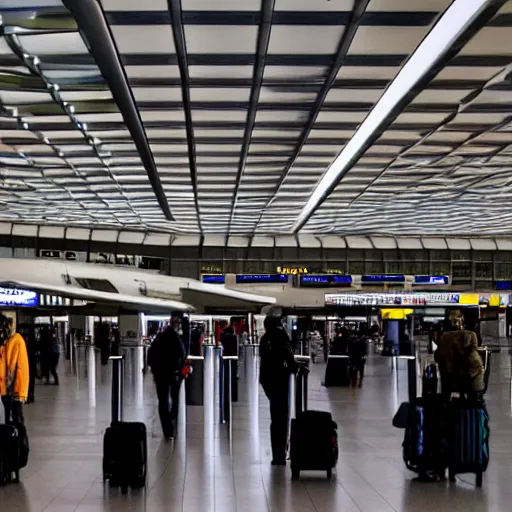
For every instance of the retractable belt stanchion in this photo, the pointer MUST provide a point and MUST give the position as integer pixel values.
(301, 390)
(194, 383)
(412, 377)
(117, 388)
(229, 373)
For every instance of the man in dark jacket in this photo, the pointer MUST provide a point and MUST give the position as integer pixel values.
(229, 340)
(166, 358)
(277, 363)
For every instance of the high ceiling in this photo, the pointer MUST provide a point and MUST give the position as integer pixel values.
(235, 116)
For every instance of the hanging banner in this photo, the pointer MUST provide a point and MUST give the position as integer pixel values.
(392, 299)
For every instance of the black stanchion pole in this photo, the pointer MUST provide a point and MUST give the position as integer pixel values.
(412, 378)
(117, 388)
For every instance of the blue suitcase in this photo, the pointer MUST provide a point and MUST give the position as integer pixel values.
(470, 442)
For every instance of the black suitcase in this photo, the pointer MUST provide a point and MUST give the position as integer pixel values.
(9, 454)
(125, 455)
(313, 443)
(125, 452)
(313, 436)
(337, 371)
(24, 448)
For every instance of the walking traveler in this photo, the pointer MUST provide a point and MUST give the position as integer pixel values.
(277, 363)
(166, 358)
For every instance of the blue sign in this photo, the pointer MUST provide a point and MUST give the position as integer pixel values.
(503, 285)
(18, 297)
(214, 278)
(383, 279)
(431, 280)
(325, 280)
(261, 278)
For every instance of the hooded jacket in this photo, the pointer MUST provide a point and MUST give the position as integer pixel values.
(14, 369)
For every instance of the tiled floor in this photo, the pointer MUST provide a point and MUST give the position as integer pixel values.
(212, 468)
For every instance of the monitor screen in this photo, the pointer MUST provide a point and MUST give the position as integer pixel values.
(431, 280)
(382, 279)
(320, 280)
(261, 278)
(213, 278)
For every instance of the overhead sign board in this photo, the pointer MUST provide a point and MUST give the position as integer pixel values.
(392, 299)
(18, 297)
(431, 280)
(213, 278)
(292, 270)
(383, 279)
(325, 280)
(261, 278)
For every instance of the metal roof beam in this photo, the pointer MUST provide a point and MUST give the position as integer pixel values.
(341, 54)
(267, 10)
(98, 38)
(181, 53)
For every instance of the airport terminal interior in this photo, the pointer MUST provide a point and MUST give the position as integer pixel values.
(186, 185)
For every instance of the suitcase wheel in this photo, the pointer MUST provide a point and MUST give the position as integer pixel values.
(329, 474)
(16, 478)
(295, 474)
(479, 479)
(124, 489)
(451, 475)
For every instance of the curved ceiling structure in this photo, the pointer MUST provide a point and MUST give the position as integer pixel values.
(253, 117)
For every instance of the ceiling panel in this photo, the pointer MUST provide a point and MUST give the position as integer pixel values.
(244, 119)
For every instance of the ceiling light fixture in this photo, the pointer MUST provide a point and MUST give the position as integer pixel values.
(451, 26)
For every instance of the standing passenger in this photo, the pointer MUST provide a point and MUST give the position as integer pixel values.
(166, 358)
(50, 353)
(14, 371)
(277, 363)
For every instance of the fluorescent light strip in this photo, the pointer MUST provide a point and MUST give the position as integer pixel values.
(458, 17)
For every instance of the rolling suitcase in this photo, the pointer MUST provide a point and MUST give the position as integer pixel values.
(125, 443)
(314, 436)
(337, 371)
(425, 445)
(9, 454)
(470, 442)
(14, 450)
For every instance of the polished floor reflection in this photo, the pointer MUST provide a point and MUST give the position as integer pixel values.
(214, 467)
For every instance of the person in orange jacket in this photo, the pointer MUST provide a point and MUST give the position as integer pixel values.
(14, 371)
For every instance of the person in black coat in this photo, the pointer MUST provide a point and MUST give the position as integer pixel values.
(166, 358)
(229, 340)
(50, 354)
(277, 363)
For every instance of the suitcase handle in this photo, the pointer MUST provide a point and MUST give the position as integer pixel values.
(117, 388)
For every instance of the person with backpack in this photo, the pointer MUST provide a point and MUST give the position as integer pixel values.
(167, 358)
(14, 371)
(277, 363)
